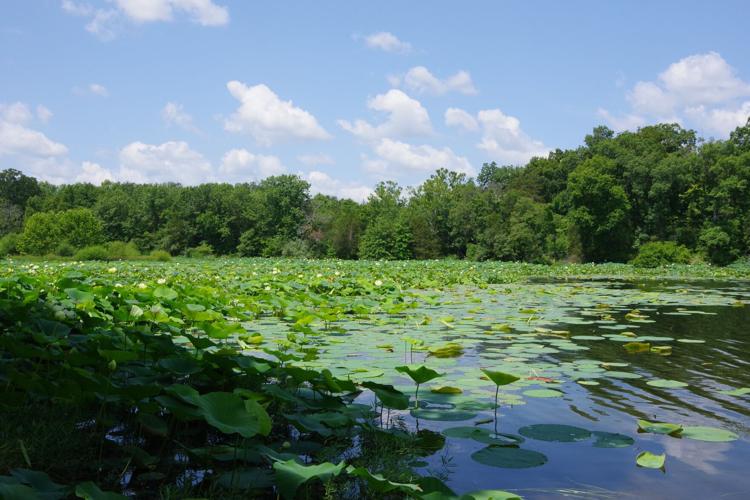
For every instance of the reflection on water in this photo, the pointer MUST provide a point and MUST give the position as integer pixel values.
(557, 335)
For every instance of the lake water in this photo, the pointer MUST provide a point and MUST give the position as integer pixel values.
(567, 340)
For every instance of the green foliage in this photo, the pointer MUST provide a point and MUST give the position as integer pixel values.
(119, 250)
(93, 252)
(600, 202)
(65, 249)
(201, 251)
(386, 239)
(717, 245)
(661, 253)
(80, 227)
(9, 244)
(160, 255)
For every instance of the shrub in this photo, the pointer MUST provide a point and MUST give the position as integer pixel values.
(296, 248)
(9, 244)
(475, 252)
(660, 253)
(94, 252)
(41, 234)
(717, 245)
(160, 255)
(386, 239)
(201, 251)
(119, 250)
(65, 249)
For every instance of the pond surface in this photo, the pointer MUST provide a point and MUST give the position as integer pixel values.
(572, 344)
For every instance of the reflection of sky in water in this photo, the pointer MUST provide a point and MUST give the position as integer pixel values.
(699, 311)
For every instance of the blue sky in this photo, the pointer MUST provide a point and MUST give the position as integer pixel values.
(349, 93)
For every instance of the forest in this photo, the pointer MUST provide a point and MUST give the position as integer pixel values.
(657, 195)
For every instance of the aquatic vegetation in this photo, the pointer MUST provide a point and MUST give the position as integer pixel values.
(240, 373)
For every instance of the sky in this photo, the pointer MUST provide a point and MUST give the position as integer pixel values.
(346, 94)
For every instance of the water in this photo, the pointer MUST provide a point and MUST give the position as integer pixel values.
(537, 341)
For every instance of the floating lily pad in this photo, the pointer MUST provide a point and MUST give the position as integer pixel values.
(542, 393)
(443, 415)
(663, 383)
(622, 375)
(588, 382)
(509, 457)
(737, 392)
(555, 432)
(611, 440)
(491, 495)
(659, 427)
(650, 460)
(691, 341)
(712, 434)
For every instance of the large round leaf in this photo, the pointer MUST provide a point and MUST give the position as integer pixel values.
(509, 457)
(555, 432)
(703, 433)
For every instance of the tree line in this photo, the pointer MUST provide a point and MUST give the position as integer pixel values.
(660, 187)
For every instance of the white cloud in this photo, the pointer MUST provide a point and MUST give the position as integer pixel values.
(98, 89)
(171, 161)
(43, 113)
(395, 156)
(720, 120)
(267, 118)
(321, 182)
(505, 141)
(315, 159)
(93, 173)
(103, 21)
(406, 118)
(702, 90)
(456, 117)
(703, 79)
(16, 138)
(620, 123)
(16, 112)
(420, 80)
(174, 114)
(203, 12)
(92, 89)
(387, 41)
(240, 165)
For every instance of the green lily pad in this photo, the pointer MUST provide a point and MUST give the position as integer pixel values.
(691, 341)
(490, 495)
(622, 375)
(542, 393)
(711, 434)
(611, 440)
(443, 415)
(500, 378)
(509, 457)
(737, 392)
(650, 460)
(663, 383)
(659, 427)
(555, 432)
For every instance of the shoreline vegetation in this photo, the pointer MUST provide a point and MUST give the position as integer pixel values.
(656, 196)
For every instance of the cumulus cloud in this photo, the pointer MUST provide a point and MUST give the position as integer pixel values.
(174, 114)
(406, 118)
(321, 182)
(419, 79)
(702, 90)
(103, 22)
(93, 173)
(456, 117)
(267, 118)
(505, 141)
(394, 157)
(171, 161)
(387, 42)
(17, 138)
(315, 159)
(240, 165)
